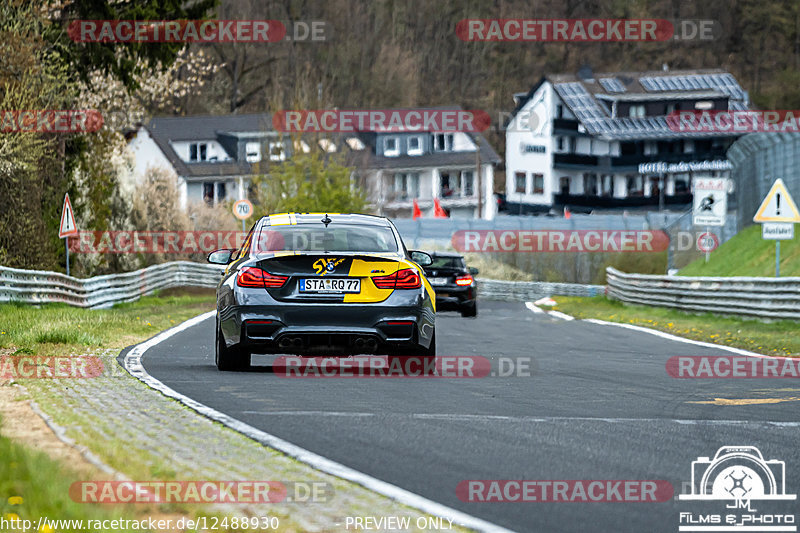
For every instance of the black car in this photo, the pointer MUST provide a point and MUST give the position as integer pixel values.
(454, 283)
(318, 284)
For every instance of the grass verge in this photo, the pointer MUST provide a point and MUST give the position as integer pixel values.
(781, 338)
(32, 486)
(58, 329)
(747, 254)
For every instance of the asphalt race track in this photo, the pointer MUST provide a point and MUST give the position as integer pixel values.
(598, 404)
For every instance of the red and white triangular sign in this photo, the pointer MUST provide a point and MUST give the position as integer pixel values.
(67, 228)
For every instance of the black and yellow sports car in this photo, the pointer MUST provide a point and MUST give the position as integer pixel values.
(320, 284)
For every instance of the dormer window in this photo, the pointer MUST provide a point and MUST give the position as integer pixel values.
(276, 151)
(198, 151)
(252, 152)
(415, 145)
(391, 146)
(636, 111)
(327, 145)
(443, 142)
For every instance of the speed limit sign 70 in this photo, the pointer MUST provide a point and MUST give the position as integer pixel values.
(243, 209)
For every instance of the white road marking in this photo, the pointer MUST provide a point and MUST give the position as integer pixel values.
(676, 338)
(133, 364)
(457, 417)
(532, 307)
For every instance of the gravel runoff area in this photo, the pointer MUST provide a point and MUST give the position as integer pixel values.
(131, 431)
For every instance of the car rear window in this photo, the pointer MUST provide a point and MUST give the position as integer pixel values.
(447, 262)
(318, 238)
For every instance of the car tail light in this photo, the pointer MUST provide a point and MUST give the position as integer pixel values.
(408, 279)
(257, 278)
(464, 281)
(402, 279)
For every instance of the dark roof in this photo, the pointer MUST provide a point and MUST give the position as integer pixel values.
(206, 127)
(588, 98)
(165, 130)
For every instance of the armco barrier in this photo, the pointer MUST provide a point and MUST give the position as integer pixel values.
(773, 298)
(528, 291)
(37, 287)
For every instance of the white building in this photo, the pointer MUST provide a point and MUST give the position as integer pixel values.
(215, 157)
(592, 141)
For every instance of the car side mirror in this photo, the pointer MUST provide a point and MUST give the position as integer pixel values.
(220, 257)
(474, 271)
(423, 259)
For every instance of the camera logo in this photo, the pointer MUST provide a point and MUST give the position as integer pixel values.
(738, 476)
(738, 473)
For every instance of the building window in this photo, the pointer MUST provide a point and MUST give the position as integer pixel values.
(355, 143)
(415, 145)
(560, 144)
(704, 104)
(277, 151)
(221, 191)
(327, 145)
(252, 152)
(538, 184)
(635, 186)
(446, 185)
(443, 142)
(559, 111)
(406, 186)
(467, 183)
(391, 147)
(197, 151)
(208, 192)
(519, 182)
(607, 181)
(636, 111)
(563, 184)
(590, 184)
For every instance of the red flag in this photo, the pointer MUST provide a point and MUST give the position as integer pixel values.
(417, 211)
(567, 213)
(438, 210)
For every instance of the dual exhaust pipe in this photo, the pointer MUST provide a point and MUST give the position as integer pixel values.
(368, 344)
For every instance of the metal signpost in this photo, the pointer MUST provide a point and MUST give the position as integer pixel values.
(777, 214)
(710, 197)
(243, 209)
(67, 227)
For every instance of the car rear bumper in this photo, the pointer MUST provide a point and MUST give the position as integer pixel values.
(310, 328)
(453, 296)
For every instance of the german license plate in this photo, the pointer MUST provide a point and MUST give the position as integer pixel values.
(331, 285)
(438, 281)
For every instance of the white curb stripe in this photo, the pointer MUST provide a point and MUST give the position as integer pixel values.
(672, 337)
(133, 364)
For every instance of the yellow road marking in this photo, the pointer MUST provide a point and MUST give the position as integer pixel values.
(747, 401)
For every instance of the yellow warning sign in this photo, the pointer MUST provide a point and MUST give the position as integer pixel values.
(778, 206)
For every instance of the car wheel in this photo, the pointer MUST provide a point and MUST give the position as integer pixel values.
(470, 309)
(234, 358)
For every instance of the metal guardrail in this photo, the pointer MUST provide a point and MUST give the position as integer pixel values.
(528, 291)
(774, 298)
(38, 286)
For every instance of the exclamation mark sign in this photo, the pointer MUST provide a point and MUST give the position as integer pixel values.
(778, 204)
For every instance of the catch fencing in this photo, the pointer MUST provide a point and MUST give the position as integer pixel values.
(763, 298)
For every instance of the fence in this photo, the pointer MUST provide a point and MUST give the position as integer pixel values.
(432, 232)
(36, 286)
(775, 298)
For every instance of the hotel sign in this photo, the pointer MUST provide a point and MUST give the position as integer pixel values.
(661, 167)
